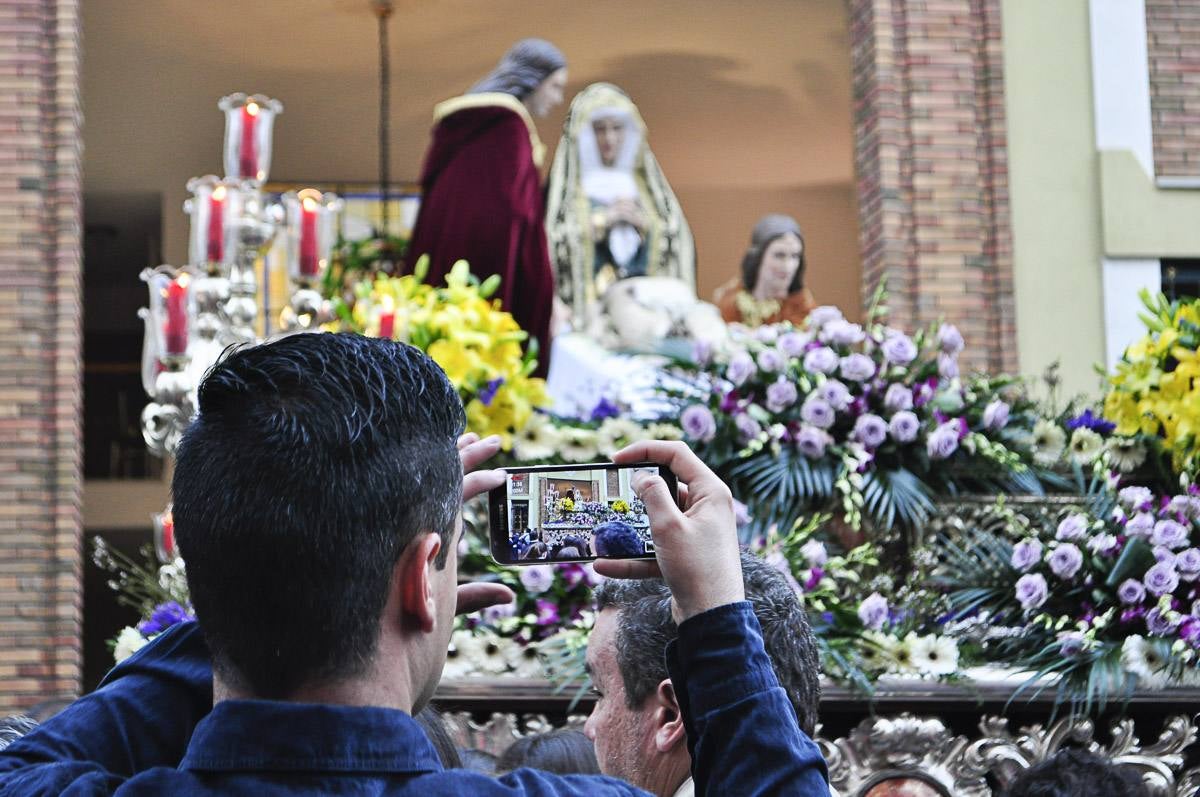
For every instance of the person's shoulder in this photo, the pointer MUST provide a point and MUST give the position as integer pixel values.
(517, 782)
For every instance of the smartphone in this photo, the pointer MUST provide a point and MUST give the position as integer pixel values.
(571, 513)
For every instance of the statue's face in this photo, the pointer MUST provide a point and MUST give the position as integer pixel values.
(610, 137)
(779, 264)
(549, 93)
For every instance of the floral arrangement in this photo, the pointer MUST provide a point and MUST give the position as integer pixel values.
(478, 345)
(158, 592)
(1155, 390)
(1106, 599)
(354, 261)
(799, 419)
(549, 439)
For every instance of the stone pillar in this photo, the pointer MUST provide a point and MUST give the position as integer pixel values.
(40, 352)
(932, 168)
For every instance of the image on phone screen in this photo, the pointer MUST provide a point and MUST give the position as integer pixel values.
(571, 513)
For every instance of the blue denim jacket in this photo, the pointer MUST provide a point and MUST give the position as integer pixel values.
(151, 729)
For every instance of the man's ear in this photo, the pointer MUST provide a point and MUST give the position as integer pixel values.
(414, 576)
(668, 719)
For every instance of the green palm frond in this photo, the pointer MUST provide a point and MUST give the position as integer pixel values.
(896, 495)
(781, 487)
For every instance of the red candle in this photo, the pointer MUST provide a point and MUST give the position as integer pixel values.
(166, 544)
(387, 325)
(248, 155)
(176, 327)
(309, 265)
(216, 225)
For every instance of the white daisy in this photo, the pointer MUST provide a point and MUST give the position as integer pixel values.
(616, 433)
(492, 659)
(663, 431)
(1142, 659)
(461, 655)
(1125, 453)
(1085, 445)
(538, 441)
(934, 655)
(1049, 441)
(577, 445)
(523, 660)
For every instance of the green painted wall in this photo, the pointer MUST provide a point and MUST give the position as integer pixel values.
(1142, 220)
(1054, 188)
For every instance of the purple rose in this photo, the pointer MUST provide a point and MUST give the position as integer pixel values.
(947, 366)
(766, 334)
(1140, 525)
(835, 394)
(741, 367)
(821, 361)
(943, 441)
(1026, 554)
(780, 395)
(812, 441)
(873, 611)
(771, 360)
(494, 614)
(1169, 534)
(950, 340)
(870, 430)
(820, 316)
(537, 578)
(995, 415)
(898, 397)
(1187, 564)
(857, 367)
(1072, 527)
(1070, 644)
(814, 553)
(1135, 497)
(1065, 560)
(842, 333)
(1131, 592)
(1161, 579)
(1104, 545)
(1032, 590)
(793, 343)
(702, 352)
(748, 428)
(899, 349)
(1163, 555)
(817, 412)
(904, 427)
(924, 392)
(1160, 624)
(1189, 631)
(698, 423)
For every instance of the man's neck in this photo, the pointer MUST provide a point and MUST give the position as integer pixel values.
(666, 776)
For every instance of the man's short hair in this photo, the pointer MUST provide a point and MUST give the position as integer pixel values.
(1076, 773)
(313, 462)
(645, 626)
(615, 538)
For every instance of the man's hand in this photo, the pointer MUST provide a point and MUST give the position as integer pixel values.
(474, 452)
(696, 548)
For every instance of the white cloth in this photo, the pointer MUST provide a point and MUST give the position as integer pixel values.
(582, 372)
(686, 789)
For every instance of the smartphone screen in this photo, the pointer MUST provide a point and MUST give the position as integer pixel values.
(571, 513)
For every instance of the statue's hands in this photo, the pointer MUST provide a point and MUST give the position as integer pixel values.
(627, 211)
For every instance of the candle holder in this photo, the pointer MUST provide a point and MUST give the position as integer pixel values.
(164, 536)
(311, 230)
(166, 357)
(256, 229)
(249, 121)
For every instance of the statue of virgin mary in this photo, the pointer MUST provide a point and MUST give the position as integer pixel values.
(611, 213)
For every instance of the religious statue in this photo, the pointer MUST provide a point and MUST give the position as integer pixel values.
(481, 186)
(611, 213)
(771, 287)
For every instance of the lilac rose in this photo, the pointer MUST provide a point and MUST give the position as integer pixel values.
(899, 349)
(836, 394)
(814, 553)
(1065, 560)
(1135, 497)
(842, 333)
(898, 397)
(766, 334)
(1169, 534)
(1104, 545)
(741, 367)
(1163, 555)
(1140, 525)
(537, 578)
(1159, 623)
(1026, 554)
(698, 423)
(1032, 590)
(873, 611)
(748, 428)
(1070, 644)
(857, 367)
(904, 427)
(793, 343)
(820, 316)
(947, 366)
(870, 430)
(943, 441)
(1131, 592)
(1187, 564)
(1161, 579)
(950, 340)
(781, 395)
(821, 361)
(817, 412)
(995, 414)
(812, 441)
(1072, 527)
(771, 360)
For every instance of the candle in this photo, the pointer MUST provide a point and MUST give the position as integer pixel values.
(387, 325)
(216, 225)
(248, 155)
(176, 327)
(166, 548)
(309, 264)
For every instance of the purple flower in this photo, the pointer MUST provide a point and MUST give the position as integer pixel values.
(572, 573)
(771, 360)
(747, 427)
(814, 579)
(1159, 624)
(698, 423)
(1032, 590)
(898, 397)
(873, 611)
(1090, 421)
(1163, 555)
(547, 612)
(857, 367)
(604, 409)
(1187, 564)
(814, 553)
(1026, 554)
(870, 430)
(741, 367)
(924, 392)
(1104, 545)
(1136, 497)
(1161, 579)
(904, 426)
(842, 333)
(793, 343)
(820, 316)
(1186, 505)
(817, 412)
(702, 352)
(537, 578)
(1131, 592)
(899, 349)
(1065, 560)
(489, 391)
(494, 614)
(995, 414)
(1072, 527)
(1189, 631)
(766, 334)
(1140, 525)
(836, 394)
(812, 441)
(943, 441)
(821, 361)
(950, 340)
(1070, 644)
(163, 617)
(781, 395)
(1169, 534)
(947, 366)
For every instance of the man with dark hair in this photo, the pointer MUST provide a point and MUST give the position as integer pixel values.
(637, 724)
(1077, 773)
(617, 539)
(317, 503)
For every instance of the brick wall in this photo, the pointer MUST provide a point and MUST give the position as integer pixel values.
(40, 353)
(932, 167)
(1173, 47)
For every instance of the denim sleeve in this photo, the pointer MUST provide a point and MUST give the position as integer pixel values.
(742, 731)
(142, 716)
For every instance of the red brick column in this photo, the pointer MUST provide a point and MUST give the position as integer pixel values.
(1173, 49)
(932, 167)
(40, 355)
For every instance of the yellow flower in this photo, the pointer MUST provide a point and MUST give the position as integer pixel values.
(457, 361)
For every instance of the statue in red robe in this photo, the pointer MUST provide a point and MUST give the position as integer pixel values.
(481, 186)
